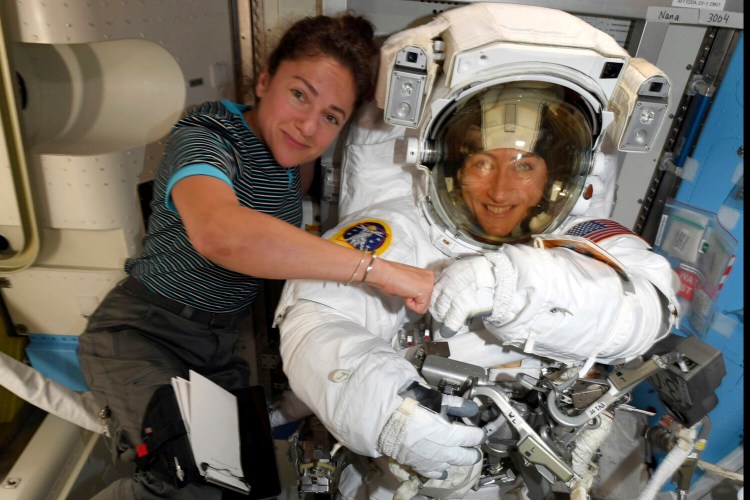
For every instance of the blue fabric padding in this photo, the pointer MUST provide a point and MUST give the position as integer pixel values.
(56, 357)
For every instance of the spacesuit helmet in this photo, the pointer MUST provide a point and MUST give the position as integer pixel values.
(510, 161)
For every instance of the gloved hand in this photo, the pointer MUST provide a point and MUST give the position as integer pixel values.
(472, 286)
(425, 441)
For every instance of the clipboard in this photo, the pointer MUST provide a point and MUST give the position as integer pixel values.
(211, 419)
(257, 476)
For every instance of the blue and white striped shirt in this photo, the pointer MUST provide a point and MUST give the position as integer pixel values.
(213, 139)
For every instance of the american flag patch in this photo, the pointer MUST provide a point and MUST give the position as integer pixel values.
(599, 229)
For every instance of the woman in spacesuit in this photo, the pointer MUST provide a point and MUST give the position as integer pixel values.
(511, 162)
(343, 349)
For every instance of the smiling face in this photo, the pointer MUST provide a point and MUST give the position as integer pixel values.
(510, 161)
(500, 186)
(302, 108)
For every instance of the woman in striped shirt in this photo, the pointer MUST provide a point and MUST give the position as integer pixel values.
(226, 212)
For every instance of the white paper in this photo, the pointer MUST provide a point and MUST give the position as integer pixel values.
(210, 415)
(182, 393)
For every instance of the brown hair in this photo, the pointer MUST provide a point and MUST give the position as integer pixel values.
(349, 39)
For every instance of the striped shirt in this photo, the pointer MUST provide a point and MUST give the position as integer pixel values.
(213, 139)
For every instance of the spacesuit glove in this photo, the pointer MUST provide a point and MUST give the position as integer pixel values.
(425, 441)
(460, 479)
(473, 286)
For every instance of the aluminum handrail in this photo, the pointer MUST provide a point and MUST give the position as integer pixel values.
(11, 128)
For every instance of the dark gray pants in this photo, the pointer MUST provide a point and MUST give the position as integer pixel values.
(130, 348)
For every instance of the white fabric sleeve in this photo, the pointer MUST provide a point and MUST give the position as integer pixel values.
(638, 258)
(570, 307)
(348, 376)
(51, 396)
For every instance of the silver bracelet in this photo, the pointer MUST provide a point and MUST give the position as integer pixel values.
(369, 267)
(361, 261)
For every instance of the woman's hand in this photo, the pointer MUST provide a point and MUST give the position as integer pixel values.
(413, 284)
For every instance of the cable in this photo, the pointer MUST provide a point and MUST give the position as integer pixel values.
(671, 463)
(721, 472)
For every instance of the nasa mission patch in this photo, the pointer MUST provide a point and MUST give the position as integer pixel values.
(371, 235)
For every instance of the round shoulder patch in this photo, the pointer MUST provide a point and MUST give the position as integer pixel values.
(370, 235)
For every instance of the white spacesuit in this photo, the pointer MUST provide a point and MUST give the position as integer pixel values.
(491, 170)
